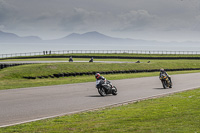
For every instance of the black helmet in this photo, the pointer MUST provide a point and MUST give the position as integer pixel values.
(97, 75)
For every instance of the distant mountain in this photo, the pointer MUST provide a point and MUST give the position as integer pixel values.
(89, 37)
(93, 38)
(13, 38)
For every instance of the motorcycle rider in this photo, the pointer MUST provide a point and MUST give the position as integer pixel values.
(99, 77)
(71, 59)
(104, 86)
(91, 60)
(162, 71)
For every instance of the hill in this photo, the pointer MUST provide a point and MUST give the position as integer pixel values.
(93, 38)
(13, 38)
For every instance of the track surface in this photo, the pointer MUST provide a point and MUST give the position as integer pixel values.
(30, 104)
(14, 62)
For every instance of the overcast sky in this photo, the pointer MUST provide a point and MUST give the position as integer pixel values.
(167, 20)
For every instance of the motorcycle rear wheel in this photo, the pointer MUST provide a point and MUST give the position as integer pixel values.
(101, 91)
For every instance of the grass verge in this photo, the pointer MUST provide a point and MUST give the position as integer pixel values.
(46, 69)
(12, 77)
(173, 113)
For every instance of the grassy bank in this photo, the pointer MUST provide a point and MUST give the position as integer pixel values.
(56, 68)
(174, 113)
(12, 77)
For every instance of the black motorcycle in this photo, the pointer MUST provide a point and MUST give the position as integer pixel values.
(105, 87)
(166, 82)
(70, 59)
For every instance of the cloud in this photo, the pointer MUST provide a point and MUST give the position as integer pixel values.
(111, 16)
(136, 20)
(8, 15)
(82, 19)
(133, 20)
(5, 11)
(2, 27)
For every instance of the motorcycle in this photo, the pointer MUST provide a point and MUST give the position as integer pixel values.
(105, 87)
(70, 59)
(166, 82)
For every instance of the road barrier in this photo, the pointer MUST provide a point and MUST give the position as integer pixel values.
(99, 52)
(103, 57)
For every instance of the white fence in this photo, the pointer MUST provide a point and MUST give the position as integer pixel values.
(99, 51)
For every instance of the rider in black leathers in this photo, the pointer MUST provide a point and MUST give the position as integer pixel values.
(99, 77)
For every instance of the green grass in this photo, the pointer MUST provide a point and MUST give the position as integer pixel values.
(177, 113)
(12, 77)
(55, 68)
(174, 113)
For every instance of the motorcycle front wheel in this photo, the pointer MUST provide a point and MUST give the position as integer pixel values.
(101, 91)
(164, 84)
(170, 86)
(114, 90)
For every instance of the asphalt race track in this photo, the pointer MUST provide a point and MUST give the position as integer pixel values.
(30, 104)
(14, 62)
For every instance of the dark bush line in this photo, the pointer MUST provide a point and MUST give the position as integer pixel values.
(2, 66)
(105, 57)
(107, 72)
